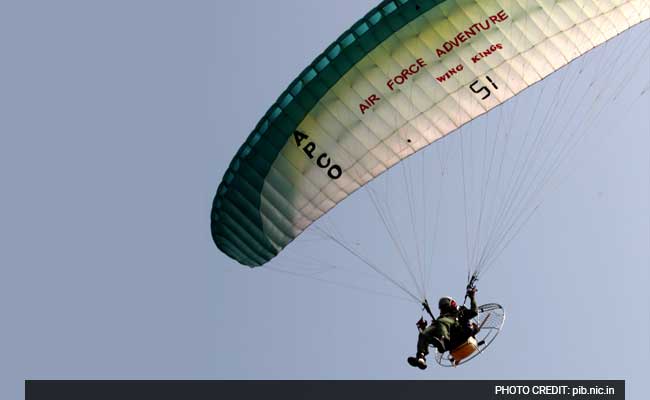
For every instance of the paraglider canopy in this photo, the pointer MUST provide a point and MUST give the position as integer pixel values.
(407, 74)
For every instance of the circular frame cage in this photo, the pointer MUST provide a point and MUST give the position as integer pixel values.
(490, 320)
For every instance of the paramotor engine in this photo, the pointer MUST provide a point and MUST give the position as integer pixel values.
(489, 320)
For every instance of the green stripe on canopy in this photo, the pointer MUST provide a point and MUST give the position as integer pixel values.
(236, 225)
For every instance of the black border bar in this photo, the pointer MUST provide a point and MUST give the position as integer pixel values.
(324, 390)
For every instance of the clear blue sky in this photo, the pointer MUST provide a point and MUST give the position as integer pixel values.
(118, 121)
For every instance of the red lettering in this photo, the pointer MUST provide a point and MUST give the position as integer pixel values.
(368, 103)
(486, 53)
(405, 73)
(363, 108)
(449, 73)
(466, 34)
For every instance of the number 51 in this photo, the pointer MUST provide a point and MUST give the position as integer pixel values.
(483, 88)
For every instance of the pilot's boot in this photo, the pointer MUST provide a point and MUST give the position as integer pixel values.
(418, 361)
